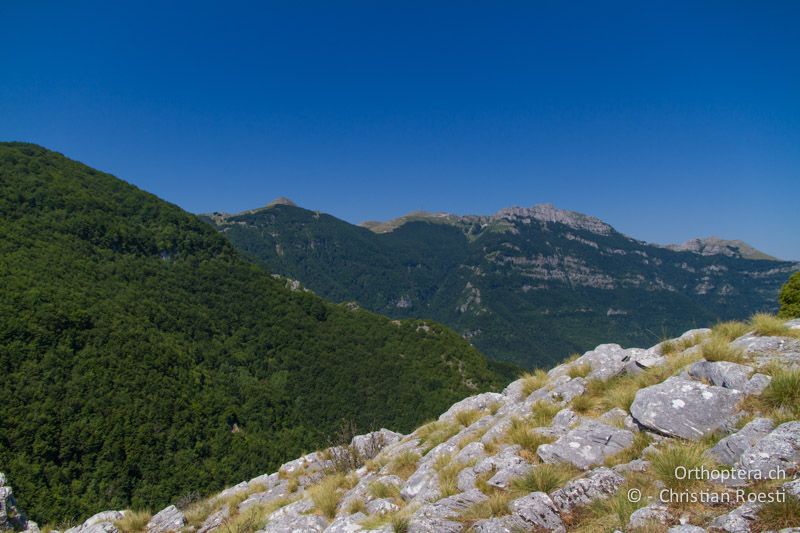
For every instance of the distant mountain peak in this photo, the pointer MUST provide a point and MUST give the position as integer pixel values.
(552, 214)
(718, 246)
(282, 200)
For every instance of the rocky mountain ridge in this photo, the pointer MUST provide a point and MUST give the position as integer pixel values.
(525, 285)
(595, 444)
(716, 246)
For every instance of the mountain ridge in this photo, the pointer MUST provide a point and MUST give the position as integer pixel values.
(519, 284)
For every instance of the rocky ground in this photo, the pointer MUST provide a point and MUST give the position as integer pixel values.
(698, 433)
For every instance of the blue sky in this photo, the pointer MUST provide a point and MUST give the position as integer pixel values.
(669, 120)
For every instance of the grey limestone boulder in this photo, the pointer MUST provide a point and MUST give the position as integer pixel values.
(684, 408)
(599, 483)
(649, 514)
(779, 450)
(295, 517)
(587, 445)
(757, 383)
(370, 444)
(729, 449)
(381, 506)
(737, 521)
(782, 349)
(439, 517)
(470, 452)
(102, 522)
(346, 524)
(722, 373)
(215, 520)
(260, 498)
(534, 512)
(166, 520)
(479, 402)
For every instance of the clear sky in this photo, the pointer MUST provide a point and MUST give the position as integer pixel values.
(668, 120)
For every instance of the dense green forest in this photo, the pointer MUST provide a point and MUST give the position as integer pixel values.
(144, 359)
(522, 290)
(790, 297)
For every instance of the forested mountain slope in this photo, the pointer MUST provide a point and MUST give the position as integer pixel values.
(143, 359)
(528, 285)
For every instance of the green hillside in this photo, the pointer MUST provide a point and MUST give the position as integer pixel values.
(524, 286)
(143, 359)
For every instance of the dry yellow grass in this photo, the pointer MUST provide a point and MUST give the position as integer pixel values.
(133, 522)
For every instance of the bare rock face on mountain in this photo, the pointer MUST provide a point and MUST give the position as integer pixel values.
(717, 246)
(534, 458)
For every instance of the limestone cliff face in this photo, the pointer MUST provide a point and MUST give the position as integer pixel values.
(590, 445)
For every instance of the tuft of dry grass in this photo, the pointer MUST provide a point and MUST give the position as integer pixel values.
(579, 370)
(778, 515)
(495, 505)
(729, 330)
(544, 478)
(533, 381)
(327, 493)
(404, 464)
(434, 433)
(665, 461)
(468, 416)
(583, 404)
(357, 506)
(522, 433)
(783, 391)
(448, 475)
(768, 325)
(543, 412)
(380, 490)
(133, 521)
(717, 348)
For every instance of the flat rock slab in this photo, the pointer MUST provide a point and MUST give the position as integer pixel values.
(684, 408)
(587, 445)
